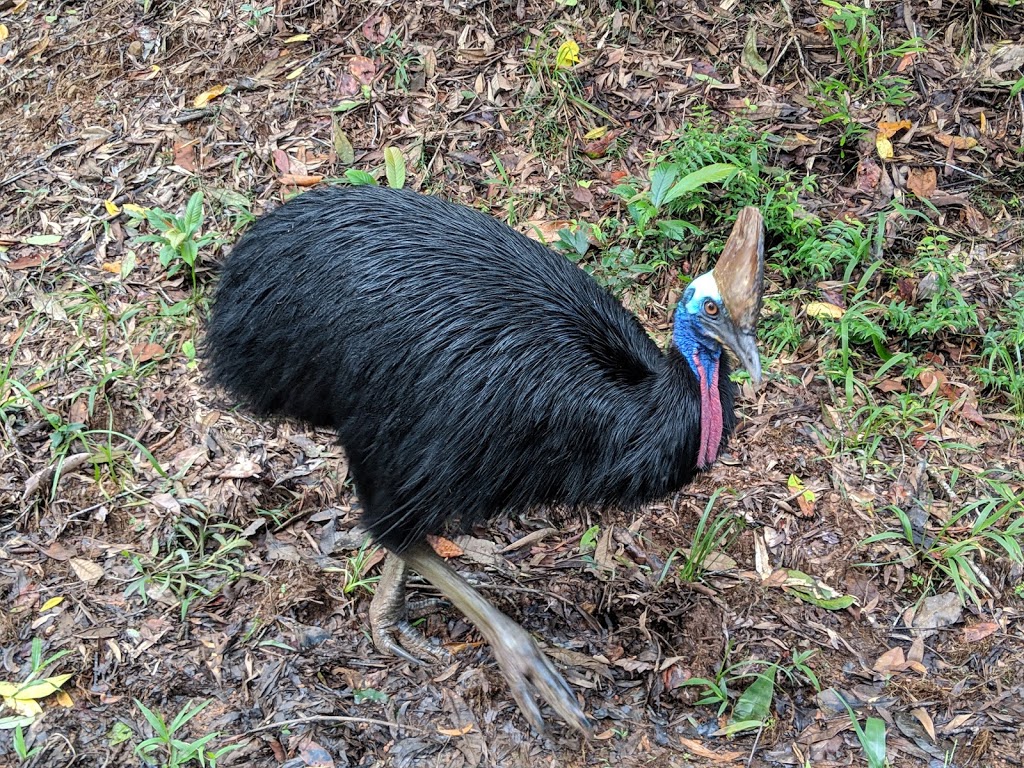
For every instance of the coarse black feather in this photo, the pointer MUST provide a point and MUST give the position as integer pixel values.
(467, 369)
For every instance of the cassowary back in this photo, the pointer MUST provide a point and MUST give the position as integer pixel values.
(467, 369)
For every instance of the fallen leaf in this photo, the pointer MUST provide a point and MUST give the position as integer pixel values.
(891, 662)
(86, 570)
(362, 69)
(50, 604)
(718, 757)
(111, 207)
(209, 95)
(568, 55)
(889, 130)
(598, 146)
(299, 180)
(445, 547)
(925, 720)
(931, 380)
(979, 631)
(146, 352)
(114, 267)
(297, 39)
(377, 28)
(25, 262)
(884, 147)
(467, 728)
(922, 182)
(956, 142)
(824, 309)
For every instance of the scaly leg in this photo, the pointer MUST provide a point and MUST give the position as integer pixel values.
(389, 623)
(525, 667)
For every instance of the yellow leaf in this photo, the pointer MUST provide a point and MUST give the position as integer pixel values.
(26, 707)
(53, 602)
(596, 133)
(64, 700)
(295, 73)
(956, 142)
(111, 207)
(796, 485)
(568, 55)
(207, 96)
(7, 690)
(297, 39)
(114, 267)
(884, 147)
(4, 34)
(889, 130)
(821, 309)
(138, 210)
(40, 689)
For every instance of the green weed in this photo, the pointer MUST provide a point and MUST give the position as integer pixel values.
(171, 750)
(178, 236)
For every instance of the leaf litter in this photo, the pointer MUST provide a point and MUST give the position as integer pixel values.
(131, 493)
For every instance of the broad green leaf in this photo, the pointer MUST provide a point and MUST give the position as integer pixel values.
(677, 229)
(394, 167)
(873, 742)
(358, 178)
(194, 212)
(709, 174)
(755, 702)
(661, 181)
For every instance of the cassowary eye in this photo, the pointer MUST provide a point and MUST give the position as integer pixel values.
(710, 308)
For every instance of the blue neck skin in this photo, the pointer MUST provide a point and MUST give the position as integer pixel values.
(692, 343)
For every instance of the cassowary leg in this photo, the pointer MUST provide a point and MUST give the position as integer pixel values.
(528, 671)
(389, 622)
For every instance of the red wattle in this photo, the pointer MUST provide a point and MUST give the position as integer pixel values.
(710, 414)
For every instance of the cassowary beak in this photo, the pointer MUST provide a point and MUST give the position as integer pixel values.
(739, 275)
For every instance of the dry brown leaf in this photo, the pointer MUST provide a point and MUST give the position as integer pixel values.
(979, 631)
(467, 728)
(298, 180)
(701, 751)
(545, 231)
(890, 662)
(25, 262)
(922, 182)
(146, 351)
(931, 380)
(956, 142)
(888, 130)
(86, 570)
(926, 721)
(362, 69)
(445, 547)
(377, 28)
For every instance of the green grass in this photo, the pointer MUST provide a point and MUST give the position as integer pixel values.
(948, 553)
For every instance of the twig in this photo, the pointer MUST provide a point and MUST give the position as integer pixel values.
(325, 719)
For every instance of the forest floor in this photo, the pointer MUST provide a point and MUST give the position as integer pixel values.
(186, 585)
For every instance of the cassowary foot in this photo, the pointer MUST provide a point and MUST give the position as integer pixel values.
(390, 629)
(528, 671)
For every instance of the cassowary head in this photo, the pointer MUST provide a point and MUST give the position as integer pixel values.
(719, 310)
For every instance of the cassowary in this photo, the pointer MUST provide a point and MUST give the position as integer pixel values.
(469, 372)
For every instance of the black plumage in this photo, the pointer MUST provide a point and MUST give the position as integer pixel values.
(469, 371)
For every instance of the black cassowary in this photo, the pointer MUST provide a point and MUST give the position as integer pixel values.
(470, 371)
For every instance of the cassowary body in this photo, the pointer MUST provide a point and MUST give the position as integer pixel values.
(470, 371)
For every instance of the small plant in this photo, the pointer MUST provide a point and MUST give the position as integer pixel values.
(201, 559)
(169, 748)
(871, 737)
(752, 709)
(179, 237)
(714, 533)
(984, 528)
(255, 13)
(353, 572)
